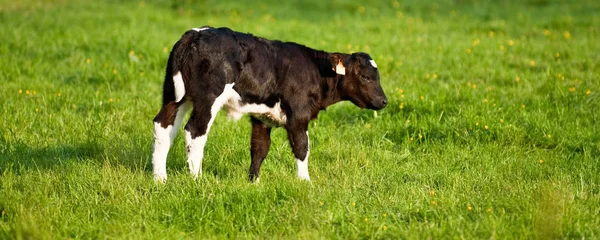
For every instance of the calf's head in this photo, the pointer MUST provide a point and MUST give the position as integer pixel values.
(360, 83)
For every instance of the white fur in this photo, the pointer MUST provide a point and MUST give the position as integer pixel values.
(162, 143)
(272, 115)
(179, 87)
(163, 139)
(181, 111)
(303, 165)
(373, 63)
(195, 147)
(200, 29)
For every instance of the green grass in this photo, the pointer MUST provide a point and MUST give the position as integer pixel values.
(491, 132)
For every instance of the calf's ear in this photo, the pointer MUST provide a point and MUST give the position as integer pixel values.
(337, 60)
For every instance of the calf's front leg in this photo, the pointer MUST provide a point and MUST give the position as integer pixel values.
(298, 137)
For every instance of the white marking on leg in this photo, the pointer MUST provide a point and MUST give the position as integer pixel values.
(373, 63)
(195, 151)
(181, 111)
(162, 143)
(303, 165)
(179, 86)
(195, 146)
(163, 139)
(200, 29)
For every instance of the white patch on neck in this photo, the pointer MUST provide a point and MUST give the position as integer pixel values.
(373, 63)
(200, 29)
(179, 86)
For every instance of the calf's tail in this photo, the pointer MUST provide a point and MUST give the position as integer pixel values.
(174, 85)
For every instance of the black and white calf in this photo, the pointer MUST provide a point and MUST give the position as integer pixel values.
(280, 84)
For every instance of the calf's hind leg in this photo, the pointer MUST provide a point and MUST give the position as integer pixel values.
(166, 126)
(197, 128)
(259, 147)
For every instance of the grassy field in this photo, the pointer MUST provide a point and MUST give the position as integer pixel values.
(492, 130)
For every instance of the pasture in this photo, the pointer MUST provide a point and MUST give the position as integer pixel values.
(492, 128)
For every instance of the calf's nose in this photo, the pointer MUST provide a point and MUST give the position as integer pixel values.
(384, 103)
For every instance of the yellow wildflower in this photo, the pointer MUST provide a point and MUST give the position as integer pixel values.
(572, 89)
(588, 92)
(384, 227)
(567, 35)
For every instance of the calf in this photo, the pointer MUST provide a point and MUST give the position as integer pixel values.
(279, 84)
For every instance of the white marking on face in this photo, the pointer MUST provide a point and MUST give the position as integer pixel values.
(373, 63)
(200, 29)
(162, 143)
(179, 86)
(303, 165)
